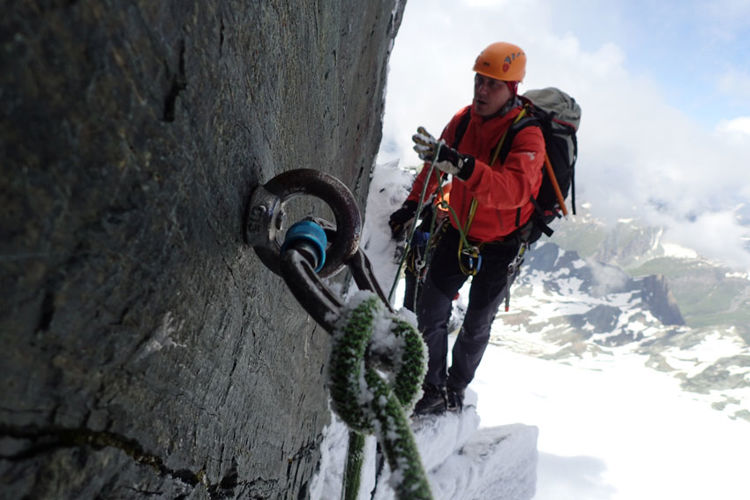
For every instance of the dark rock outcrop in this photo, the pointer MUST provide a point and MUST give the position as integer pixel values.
(600, 319)
(145, 349)
(657, 296)
(563, 269)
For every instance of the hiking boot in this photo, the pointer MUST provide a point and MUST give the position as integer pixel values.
(432, 402)
(454, 399)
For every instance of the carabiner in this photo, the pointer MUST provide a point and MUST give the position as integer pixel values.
(470, 260)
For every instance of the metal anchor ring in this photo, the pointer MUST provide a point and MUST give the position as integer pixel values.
(265, 216)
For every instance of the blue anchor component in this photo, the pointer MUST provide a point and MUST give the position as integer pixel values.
(308, 234)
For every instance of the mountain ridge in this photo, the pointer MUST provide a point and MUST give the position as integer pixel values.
(708, 293)
(566, 307)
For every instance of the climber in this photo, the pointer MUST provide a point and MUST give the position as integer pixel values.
(489, 202)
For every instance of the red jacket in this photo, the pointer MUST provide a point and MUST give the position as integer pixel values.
(499, 189)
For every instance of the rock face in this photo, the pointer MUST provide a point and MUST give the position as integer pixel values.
(660, 300)
(145, 348)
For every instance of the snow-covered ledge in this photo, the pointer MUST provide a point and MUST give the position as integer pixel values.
(463, 460)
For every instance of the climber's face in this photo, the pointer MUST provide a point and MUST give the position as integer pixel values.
(489, 95)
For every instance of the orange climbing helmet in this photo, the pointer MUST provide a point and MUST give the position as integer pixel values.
(502, 61)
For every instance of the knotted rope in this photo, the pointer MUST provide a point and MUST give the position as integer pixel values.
(377, 360)
(377, 400)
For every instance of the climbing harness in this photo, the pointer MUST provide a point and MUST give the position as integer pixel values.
(375, 371)
(469, 256)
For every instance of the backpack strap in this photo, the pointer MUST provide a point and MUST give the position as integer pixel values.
(529, 120)
(537, 218)
(461, 128)
(573, 177)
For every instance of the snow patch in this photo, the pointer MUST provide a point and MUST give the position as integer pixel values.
(678, 251)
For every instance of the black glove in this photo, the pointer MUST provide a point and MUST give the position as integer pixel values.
(449, 160)
(401, 217)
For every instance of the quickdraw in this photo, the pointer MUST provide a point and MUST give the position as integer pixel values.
(360, 357)
(514, 268)
(469, 259)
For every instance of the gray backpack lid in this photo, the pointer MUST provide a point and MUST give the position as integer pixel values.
(557, 102)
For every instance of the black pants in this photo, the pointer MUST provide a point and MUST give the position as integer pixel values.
(444, 279)
(411, 289)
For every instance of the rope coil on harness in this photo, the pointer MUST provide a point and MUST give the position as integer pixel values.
(375, 370)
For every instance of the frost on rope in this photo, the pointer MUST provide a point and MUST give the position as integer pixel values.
(373, 403)
(463, 461)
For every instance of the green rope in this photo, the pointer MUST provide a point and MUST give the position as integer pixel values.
(461, 232)
(355, 457)
(414, 223)
(442, 204)
(378, 401)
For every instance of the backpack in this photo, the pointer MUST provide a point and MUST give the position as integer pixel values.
(558, 116)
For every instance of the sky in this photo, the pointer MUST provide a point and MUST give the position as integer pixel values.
(664, 89)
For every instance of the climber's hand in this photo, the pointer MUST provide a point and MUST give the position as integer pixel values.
(401, 218)
(425, 144)
(449, 160)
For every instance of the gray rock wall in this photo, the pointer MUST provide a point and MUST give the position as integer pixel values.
(145, 348)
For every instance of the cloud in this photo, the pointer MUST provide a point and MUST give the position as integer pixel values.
(726, 18)
(738, 129)
(490, 4)
(711, 234)
(640, 156)
(735, 83)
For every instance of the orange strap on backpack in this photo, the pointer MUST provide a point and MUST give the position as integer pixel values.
(555, 185)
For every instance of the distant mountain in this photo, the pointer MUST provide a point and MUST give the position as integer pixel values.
(600, 279)
(567, 307)
(707, 293)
